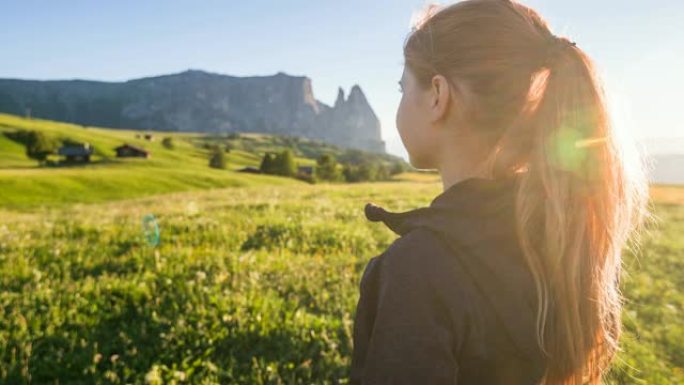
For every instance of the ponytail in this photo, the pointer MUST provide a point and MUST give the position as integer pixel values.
(582, 193)
(578, 189)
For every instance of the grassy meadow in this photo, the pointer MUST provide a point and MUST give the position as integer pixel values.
(253, 279)
(106, 177)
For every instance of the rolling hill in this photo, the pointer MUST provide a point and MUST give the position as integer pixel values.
(167, 170)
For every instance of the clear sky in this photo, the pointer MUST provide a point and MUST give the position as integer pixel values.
(637, 45)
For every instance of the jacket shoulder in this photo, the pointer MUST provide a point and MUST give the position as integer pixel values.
(420, 259)
(420, 250)
(411, 320)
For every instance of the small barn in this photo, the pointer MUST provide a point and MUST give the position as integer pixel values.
(250, 169)
(305, 170)
(128, 151)
(76, 152)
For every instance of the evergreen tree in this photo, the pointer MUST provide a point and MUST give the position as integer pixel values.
(397, 168)
(38, 146)
(218, 158)
(326, 168)
(367, 171)
(382, 172)
(350, 173)
(267, 164)
(285, 164)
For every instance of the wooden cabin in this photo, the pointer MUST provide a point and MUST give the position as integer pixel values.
(305, 170)
(128, 151)
(250, 169)
(76, 152)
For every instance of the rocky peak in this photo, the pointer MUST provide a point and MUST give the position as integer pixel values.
(340, 97)
(200, 101)
(353, 121)
(309, 96)
(356, 96)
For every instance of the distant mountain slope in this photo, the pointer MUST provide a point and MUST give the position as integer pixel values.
(199, 101)
(667, 169)
(662, 146)
(666, 159)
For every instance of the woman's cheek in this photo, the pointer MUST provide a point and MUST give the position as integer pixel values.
(407, 135)
(401, 120)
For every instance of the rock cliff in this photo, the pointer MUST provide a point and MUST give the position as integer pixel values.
(199, 101)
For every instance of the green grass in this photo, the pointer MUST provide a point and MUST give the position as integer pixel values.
(184, 168)
(12, 154)
(252, 285)
(653, 283)
(248, 285)
(66, 186)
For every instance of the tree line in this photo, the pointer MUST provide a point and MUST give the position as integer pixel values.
(38, 145)
(356, 166)
(329, 169)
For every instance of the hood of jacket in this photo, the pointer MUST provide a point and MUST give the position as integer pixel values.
(476, 219)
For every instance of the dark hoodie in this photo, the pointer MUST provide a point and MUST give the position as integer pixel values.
(451, 301)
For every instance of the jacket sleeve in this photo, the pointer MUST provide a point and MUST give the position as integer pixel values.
(412, 338)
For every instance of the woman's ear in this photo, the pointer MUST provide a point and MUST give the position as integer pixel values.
(440, 98)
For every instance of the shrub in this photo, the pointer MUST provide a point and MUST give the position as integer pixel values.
(19, 136)
(327, 168)
(350, 173)
(285, 163)
(217, 159)
(167, 142)
(282, 163)
(382, 172)
(39, 146)
(397, 168)
(268, 164)
(366, 171)
(360, 173)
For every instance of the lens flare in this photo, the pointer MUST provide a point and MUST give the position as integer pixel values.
(565, 154)
(589, 142)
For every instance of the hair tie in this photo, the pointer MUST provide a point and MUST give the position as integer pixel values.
(554, 47)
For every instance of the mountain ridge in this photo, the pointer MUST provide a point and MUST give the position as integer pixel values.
(200, 101)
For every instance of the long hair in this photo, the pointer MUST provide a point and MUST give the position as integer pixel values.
(536, 102)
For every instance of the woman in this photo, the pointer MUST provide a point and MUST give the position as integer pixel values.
(511, 274)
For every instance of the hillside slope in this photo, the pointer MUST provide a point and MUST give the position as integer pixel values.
(183, 168)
